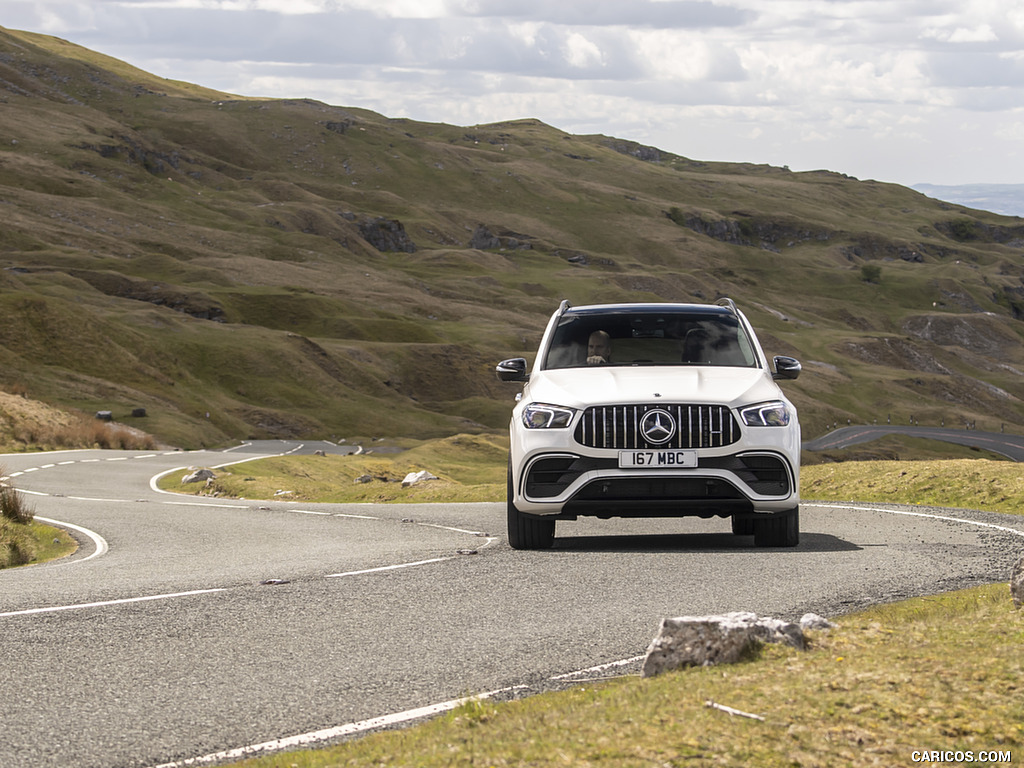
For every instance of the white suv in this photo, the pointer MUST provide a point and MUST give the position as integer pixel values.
(645, 410)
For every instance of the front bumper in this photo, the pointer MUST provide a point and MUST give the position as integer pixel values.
(568, 485)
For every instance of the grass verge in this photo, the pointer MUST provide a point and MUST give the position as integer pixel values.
(22, 540)
(938, 673)
(467, 467)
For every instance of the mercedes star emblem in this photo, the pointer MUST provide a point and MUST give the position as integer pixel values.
(657, 426)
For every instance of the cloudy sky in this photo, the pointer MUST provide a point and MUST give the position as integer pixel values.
(906, 91)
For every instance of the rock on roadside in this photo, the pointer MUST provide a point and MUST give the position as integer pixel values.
(703, 641)
(198, 476)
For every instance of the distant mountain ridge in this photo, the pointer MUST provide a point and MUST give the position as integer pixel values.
(286, 268)
(1005, 199)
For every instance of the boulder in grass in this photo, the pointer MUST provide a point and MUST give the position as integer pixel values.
(414, 478)
(198, 476)
(703, 641)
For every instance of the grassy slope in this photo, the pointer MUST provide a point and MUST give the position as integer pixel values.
(137, 209)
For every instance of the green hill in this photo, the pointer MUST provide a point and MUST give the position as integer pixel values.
(297, 269)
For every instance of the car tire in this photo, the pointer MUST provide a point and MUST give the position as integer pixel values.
(780, 531)
(526, 531)
(742, 526)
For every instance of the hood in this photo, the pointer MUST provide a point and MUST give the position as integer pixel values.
(614, 385)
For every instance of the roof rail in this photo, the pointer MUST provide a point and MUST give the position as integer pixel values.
(563, 306)
(729, 303)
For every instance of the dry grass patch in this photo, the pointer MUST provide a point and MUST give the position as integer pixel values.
(85, 433)
(27, 424)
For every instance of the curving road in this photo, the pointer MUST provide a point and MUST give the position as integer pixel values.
(189, 631)
(1011, 446)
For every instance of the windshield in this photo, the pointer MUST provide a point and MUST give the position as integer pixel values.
(650, 338)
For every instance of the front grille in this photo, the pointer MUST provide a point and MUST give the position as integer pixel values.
(549, 476)
(618, 426)
(766, 474)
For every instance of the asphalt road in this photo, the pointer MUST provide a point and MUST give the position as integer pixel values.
(186, 628)
(1011, 446)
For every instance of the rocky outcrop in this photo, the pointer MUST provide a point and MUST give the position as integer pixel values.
(485, 240)
(967, 230)
(984, 334)
(876, 247)
(639, 151)
(768, 234)
(193, 303)
(386, 235)
(133, 152)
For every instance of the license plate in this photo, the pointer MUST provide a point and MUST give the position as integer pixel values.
(657, 459)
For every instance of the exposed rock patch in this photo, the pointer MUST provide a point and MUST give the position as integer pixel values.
(893, 353)
(982, 334)
(196, 304)
(485, 240)
(703, 641)
(386, 235)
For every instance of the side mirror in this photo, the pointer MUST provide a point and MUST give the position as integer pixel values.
(786, 367)
(512, 370)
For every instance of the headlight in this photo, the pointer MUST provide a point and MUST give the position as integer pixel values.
(766, 415)
(544, 416)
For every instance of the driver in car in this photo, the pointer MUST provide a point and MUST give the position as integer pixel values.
(599, 348)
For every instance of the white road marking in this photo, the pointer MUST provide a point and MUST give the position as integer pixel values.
(908, 513)
(374, 723)
(203, 504)
(89, 498)
(350, 729)
(358, 517)
(99, 542)
(389, 567)
(55, 608)
(598, 668)
(449, 528)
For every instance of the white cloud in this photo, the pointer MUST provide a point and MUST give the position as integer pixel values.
(581, 52)
(981, 33)
(669, 55)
